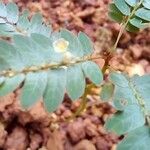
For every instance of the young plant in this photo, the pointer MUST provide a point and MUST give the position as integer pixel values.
(48, 64)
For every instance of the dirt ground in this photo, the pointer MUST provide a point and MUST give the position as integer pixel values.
(36, 129)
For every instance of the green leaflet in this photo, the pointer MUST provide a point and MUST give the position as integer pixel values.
(138, 139)
(36, 21)
(146, 4)
(43, 44)
(75, 82)
(10, 57)
(45, 30)
(115, 13)
(3, 11)
(55, 89)
(122, 6)
(29, 50)
(132, 2)
(10, 84)
(115, 17)
(119, 79)
(143, 14)
(129, 119)
(132, 28)
(23, 21)
(75, 46)
(12, 12)
(86, 43)
(114, 9)
(37, 26)
(107, 92)
(33, 89)
(92, 71)
(137, 22)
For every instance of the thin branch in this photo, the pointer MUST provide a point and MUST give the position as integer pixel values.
(83, 104)
(11, 73)
(123, 26)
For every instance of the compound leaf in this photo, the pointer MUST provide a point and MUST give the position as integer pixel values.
(119, 10)
(34, 49)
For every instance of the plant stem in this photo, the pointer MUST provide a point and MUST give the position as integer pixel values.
(11, 73)
(148, 120)
(118, 37)
(81, 107)
(83, 104)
